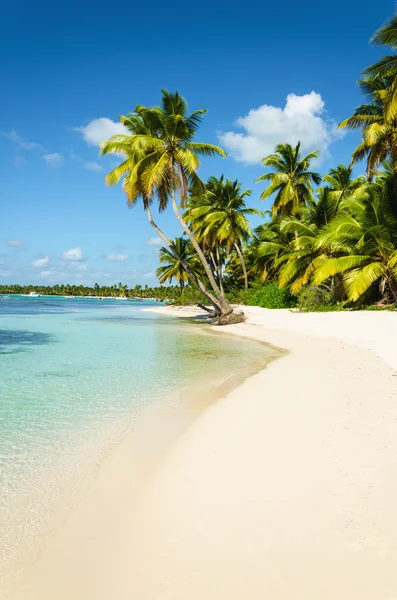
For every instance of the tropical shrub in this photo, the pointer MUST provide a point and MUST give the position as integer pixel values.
(190, 296)
(272, 296)
(314, 298)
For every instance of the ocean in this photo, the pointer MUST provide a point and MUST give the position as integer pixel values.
(74, 374)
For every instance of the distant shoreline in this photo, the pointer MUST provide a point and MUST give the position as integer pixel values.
(84, 296)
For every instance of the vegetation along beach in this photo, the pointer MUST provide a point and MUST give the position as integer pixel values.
(198, 396)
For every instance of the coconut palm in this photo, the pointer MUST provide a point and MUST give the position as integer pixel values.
(221, 214)
(341, 184)
(307, 251)
(385, 69)
(171, 267)
(291, 181)
(364, 243)
(379, 134)
(268, 247)
(160, 158)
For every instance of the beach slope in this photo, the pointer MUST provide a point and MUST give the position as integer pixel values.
(285, 488)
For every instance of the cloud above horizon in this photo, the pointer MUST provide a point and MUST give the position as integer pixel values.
(15, 243)
(154, 241)
(48, 274)
(100, 130)
(303, 119)
(19, 161)
(73, 255)
(116, 257)
(93, 166)
(53, 159)
(22, 143)
(40, 262)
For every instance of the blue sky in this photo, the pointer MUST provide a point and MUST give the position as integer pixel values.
(267, 74)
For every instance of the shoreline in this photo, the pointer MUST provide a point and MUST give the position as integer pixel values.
(284, 487)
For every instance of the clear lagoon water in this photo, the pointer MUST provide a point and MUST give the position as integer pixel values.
(73, 375)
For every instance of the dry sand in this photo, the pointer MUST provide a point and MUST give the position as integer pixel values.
(286, 488)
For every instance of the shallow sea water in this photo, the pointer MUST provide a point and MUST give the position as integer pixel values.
(74, 373)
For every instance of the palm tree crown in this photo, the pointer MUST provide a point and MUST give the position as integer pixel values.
(171, 267)
(161, 158)
(291, 181)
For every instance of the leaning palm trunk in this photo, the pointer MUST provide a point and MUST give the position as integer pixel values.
(226, 309)
(241, 257)
(192, 275)
(219, 262)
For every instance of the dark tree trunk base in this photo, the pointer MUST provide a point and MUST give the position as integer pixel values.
(232, 318)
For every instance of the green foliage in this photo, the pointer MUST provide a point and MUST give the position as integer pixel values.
(272, 296)
(191, 295)
(171, 267)
(113, 291)
(313, 299)
(291, 181)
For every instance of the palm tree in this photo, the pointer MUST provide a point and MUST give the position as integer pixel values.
(291, 182)
(171, 267)
(386, 68)
(341, 183)
(379, 134)
(270, 244)
(161, 158)
(364, 242)
(222, 216)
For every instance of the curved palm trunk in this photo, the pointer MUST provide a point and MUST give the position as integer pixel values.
(241, 257)
(226, 309)
(219, 269)
(192, 275)
(393, 287)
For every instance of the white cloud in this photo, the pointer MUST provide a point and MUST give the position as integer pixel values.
(100, 130)
(302, 119)
(154, 241)
(74, 255)
(41, 262)
(29, 146)
(15, 243)
(22, 144)
(93, 166)
(54, 159)
(19, 161)
(116, 257)
(150, 275)
(5, 273)
(12, 136)
(48, 274)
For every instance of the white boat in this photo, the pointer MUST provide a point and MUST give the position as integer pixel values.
(33, 295)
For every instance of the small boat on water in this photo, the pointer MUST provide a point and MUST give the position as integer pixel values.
(32, 295)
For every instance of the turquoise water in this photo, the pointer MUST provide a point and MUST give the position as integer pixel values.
(73, 375)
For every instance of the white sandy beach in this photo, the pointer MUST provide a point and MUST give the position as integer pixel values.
(284, 489)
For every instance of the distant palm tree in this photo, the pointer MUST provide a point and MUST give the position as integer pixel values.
(291, 181)
(221, 216)
(171, 267)
(161, 158)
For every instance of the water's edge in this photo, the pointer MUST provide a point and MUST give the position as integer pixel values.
(179, 410)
